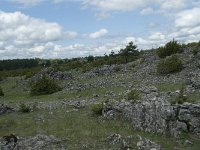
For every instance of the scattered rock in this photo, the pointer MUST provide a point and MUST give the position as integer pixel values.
(188, 143)
(39, 142)
(5, 109)
(146, 144)
(52, 73)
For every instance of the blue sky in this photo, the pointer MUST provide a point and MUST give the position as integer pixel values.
(76, 28)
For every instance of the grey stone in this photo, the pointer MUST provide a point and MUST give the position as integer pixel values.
(5, 109)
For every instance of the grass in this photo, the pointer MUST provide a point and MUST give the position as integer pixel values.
(15, 93)
(167, 87)
(77, 127)
(194, 97)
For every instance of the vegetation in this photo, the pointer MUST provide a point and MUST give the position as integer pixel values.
(170, 64)
(97, 109)
(195, 52)
(90, 58)
(169, 87)
(24, 108)
(1, 92)
(18, 64)
(134, 95)
(170, 48)
(130, 50)
(44, 86)
(181, 98)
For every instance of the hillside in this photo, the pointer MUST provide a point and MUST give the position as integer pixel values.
(139, 107)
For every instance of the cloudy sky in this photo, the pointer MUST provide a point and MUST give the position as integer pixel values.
(74, 28)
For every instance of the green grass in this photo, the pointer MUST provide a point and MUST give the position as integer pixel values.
(78, 127)
(16, 92)
(194, 97)
(167, 87)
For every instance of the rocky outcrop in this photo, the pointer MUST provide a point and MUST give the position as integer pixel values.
(159, 116)
(105, 70)
(54, 74)
(123, 143)
(39, 142)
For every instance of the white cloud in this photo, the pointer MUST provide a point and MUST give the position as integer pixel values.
(114, 5)
(98, 34)
(173, 4)
(188, 18)
(17, 27)
(146, 11)
(24, 36)
(157, 36)
(71, 34)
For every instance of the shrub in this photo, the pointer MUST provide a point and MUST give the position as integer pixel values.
(133, 95)
(1, 92)
(195, 52)
(97, 109)
(170, 48)
(29, 75)
(24, 108)
(44, 86)
(169, 65)
(181, 98)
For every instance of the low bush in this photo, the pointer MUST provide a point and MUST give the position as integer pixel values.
(24, 108)
(181, 98)
(170, 48)
(134, 95)
(195, 52)
(97, 109)
(44, 86)
(169, 65)
(1, 92)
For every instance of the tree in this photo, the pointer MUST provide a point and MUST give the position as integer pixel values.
(112, 54)
(90, 58)
(130, 50)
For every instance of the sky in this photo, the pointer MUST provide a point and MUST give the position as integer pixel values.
(78, 28)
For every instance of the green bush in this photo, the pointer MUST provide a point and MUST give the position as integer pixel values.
(170, 48)
(44, 86)
(1, 92)
(195, 52)
(169, 65)
(97, 109)
(133, 95)
(24, 108)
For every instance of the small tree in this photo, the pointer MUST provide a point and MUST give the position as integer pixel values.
(90, 58)
(130, 49)
(44, 86)
(1, 92)
(112, 54)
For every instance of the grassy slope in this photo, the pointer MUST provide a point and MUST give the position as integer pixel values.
(77, 127)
